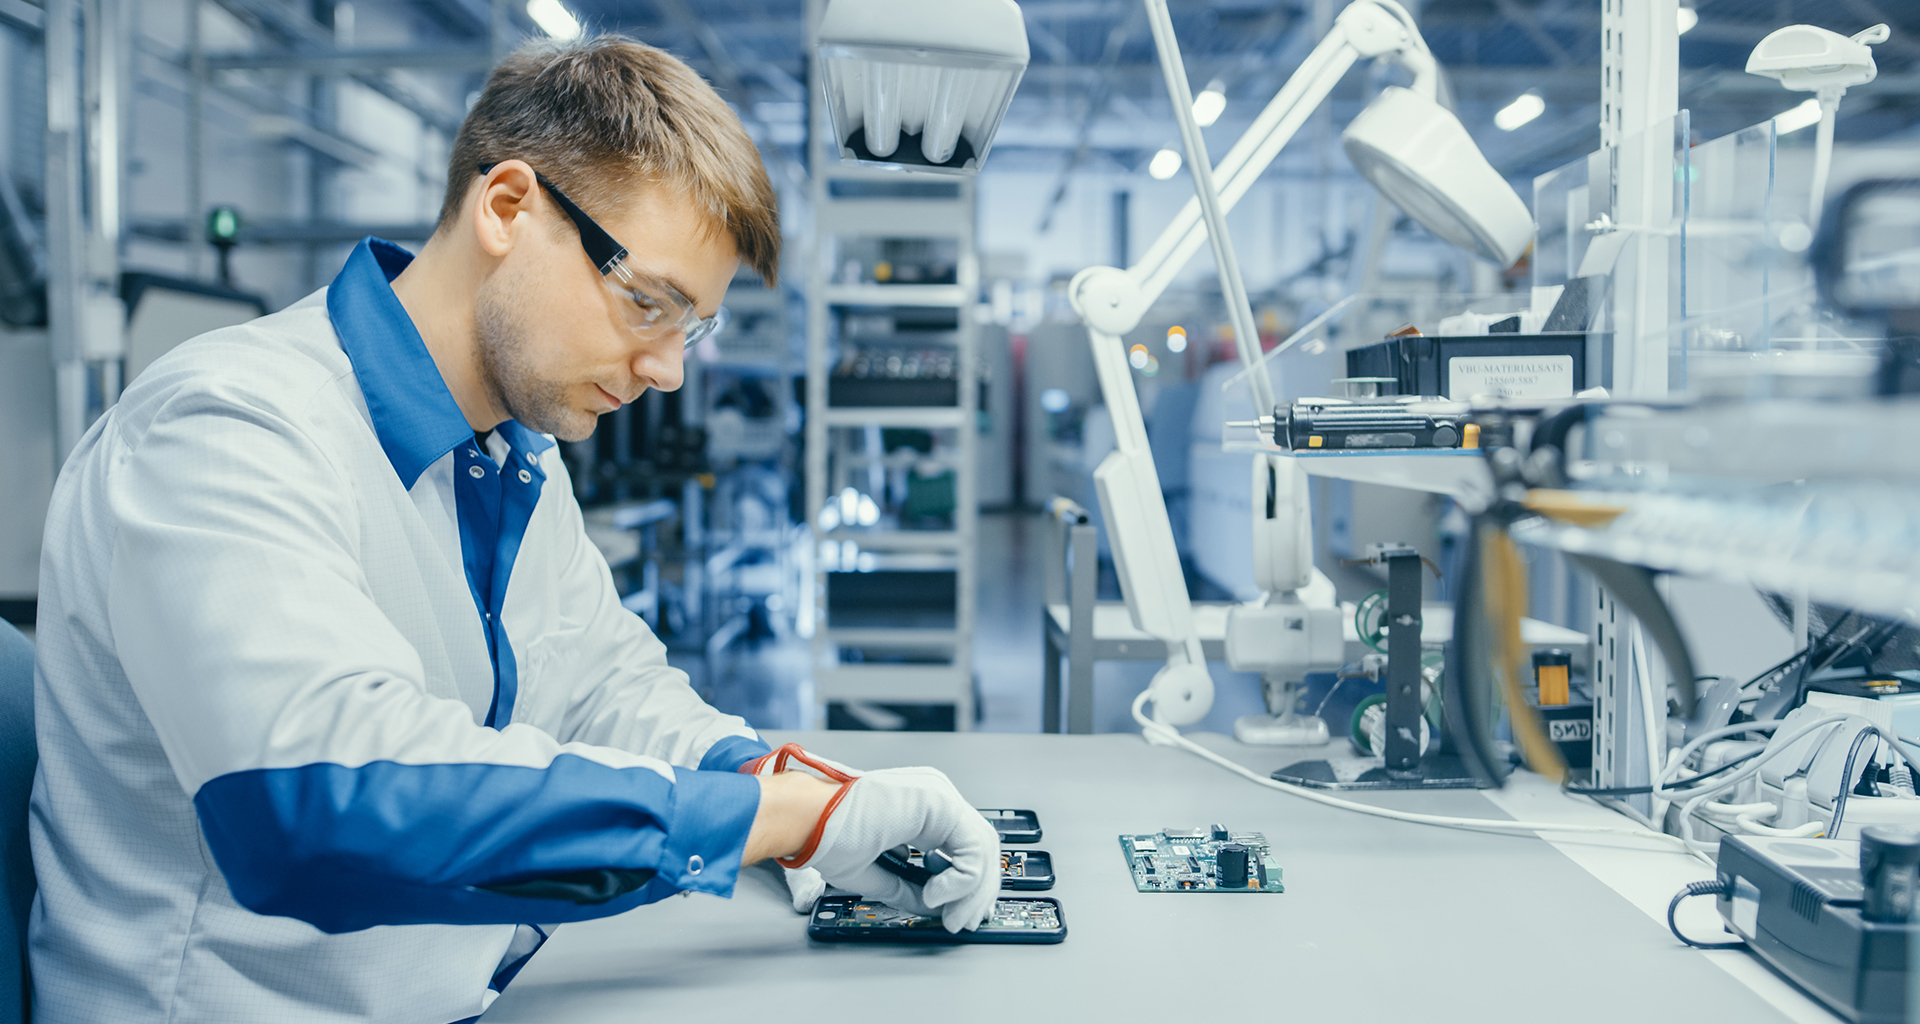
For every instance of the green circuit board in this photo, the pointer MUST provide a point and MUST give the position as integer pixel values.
(1184, 860)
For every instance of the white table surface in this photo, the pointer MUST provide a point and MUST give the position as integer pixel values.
(1381, 920)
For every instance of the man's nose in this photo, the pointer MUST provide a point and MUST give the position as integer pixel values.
(663, 362)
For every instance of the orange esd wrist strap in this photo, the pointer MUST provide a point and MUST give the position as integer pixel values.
(795, 752)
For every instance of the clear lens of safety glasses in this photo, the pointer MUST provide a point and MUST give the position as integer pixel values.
(653, 308)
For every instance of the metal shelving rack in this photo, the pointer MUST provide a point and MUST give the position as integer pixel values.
(919, 662)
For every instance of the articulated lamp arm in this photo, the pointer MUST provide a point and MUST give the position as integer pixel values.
(1112, 301)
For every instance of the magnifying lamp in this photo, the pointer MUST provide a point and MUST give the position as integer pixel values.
(920, 84)
(1423, 161)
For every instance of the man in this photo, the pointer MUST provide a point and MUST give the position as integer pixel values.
(338, 708)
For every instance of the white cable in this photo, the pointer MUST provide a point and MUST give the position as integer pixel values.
(1779, 745)
(1690, 749)
(1764, 809)
(1167, 736)
(1752, 827)
(1775, 748)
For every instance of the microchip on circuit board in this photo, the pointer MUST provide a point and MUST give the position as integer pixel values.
(1201, 860)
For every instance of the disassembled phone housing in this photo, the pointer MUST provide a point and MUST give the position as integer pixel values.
(1033, 920)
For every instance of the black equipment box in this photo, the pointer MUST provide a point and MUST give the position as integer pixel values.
(1797, 903)
(1458, 368)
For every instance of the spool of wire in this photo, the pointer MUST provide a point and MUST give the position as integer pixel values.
(1370, 620)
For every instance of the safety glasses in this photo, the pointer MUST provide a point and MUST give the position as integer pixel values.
(650, 307)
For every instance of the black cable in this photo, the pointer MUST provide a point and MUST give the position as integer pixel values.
(1848, 780)
(1777, 669)
(1682, 784)
(1804, 652)
(1869, 638)
(1713, 888)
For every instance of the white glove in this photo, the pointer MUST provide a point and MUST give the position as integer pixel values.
(918, 807)
(804, 885)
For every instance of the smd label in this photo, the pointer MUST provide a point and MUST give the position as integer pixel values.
(1510, 377)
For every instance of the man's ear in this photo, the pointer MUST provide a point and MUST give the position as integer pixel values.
(507, 192)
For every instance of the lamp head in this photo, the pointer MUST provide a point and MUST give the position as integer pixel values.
(920, 84)
(1807, 58)
(1421, 158)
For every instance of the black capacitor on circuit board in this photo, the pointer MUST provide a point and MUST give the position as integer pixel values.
(1232, 864)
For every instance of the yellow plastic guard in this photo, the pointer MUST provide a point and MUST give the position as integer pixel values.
(1571, 507)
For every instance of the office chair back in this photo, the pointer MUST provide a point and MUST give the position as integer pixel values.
(18, 754)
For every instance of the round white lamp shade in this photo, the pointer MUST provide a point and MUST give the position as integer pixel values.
(1421, 158)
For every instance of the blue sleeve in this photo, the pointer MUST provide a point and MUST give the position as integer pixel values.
(388, 844)
(730, 752)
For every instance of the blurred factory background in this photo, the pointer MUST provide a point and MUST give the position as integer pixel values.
(842, 517)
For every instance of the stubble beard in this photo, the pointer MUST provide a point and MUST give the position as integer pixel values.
(507, 368)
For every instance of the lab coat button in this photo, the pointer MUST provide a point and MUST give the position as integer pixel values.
(526, 477)
(695, 865)
(476, 472)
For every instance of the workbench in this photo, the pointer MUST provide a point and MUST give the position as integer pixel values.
(1381, 920)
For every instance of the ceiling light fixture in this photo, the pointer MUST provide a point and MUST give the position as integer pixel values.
(920, 85)
(554, 19)
(1519, 112)
(1208, 105)
(1165, 164)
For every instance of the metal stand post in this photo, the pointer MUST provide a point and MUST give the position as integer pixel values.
(1401, 765)
(1403, 659)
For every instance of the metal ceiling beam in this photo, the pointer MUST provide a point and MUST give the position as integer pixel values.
(355, 62)
(727, 73)
(1097, 101)
(280, 19)
(256, 100)
(472, 19)
(293, 232)
(21, 14)
(1041, 36)
(1541, 38)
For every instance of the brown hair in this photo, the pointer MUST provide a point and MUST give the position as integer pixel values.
(596, 115)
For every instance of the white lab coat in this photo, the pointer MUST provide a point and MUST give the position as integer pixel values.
(261, 672)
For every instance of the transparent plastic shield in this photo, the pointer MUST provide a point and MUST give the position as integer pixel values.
(1748, 323)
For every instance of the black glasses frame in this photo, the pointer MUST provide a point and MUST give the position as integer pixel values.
(600, 246)
(608, 254)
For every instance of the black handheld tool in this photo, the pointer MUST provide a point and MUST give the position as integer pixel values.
(898, 861)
